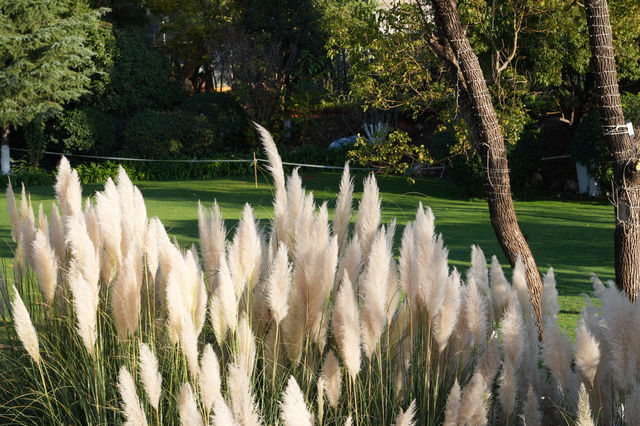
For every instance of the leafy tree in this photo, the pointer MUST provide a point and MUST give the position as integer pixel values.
(43, 57)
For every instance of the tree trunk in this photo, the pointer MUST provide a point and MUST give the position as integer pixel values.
(5, 155)
(487, 139)
(624, 155)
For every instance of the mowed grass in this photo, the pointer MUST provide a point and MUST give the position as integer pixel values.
(576, 238)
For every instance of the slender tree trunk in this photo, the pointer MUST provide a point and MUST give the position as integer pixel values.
(487, 139)
(624, 154)
(5, 164)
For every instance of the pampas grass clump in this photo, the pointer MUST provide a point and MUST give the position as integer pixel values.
(300, 321)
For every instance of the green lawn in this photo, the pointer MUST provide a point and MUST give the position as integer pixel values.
(576, 238)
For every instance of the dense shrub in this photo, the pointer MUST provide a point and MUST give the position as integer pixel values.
(312, 154)
(169, 134)
(227, 120)
(588, 146)
(465, 169)
(85, 129)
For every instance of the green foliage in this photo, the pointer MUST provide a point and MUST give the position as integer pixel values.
(524, 160)
(23, 173)
(225, 117)
(463, 166)
(140, 77)
(391, 155)
(36, 141)
(44, 54)
(169, 135)
(589, 147)
(310, 154)
(85, 129)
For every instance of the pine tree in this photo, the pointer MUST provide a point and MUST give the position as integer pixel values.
(43, 60)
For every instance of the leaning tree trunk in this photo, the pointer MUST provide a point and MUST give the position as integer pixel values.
(486, 137)
(624, 155)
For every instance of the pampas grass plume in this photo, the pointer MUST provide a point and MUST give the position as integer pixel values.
(405, 418)
(130, 403)
(452, 407)
(68, 189)
(189, 343)
(473, 401)
(448, 315)
(244, 406)
(209, 377)
(56, 233)
(532, 414)
(584, 410)
(14, 219)
(293, 409)
(368, 216)
(550, 305)
(513, 332)
(345, 327)
(500, 289)
(189, 413)
(279, 284)
(24, 327)
(556, 351)
(151, 377)
(332, 378)
(223, 311)
(587, 353)
(222, 413)
(342, 215)
(45, 266)
(508, 387)
(246, 350)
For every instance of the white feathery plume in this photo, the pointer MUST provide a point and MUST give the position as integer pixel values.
(131, 405)
(189, 344)
(45, 266)
(320, 398)
(373, 316)
(519, 280)
(174, 303)
(212, 240)
(320, 287)
(56, 233)
(351, 261)
(26, 235)
(243, 404)
(622, 354)
(209, 377)
(222, 415)
(342, 215)
(151, 377)
(556, 351)
(126, 297)
(583, 416)
(473, 401)
(479, 270)
(14, 218)
(24, 327)
(223, 311)
(447, 317)
(507, 387)
(490, 361)
(93, 229)
(188, 407)
(513, 332)
(196, 290)
(532, 414)
(345, 327)
(453, 405)
(406, 266)
(84, 273)
(550, 305)
(293, 408)
(500, 289)
(43, 222)
(151, 251)
(139, 217)
(332, 378)
(245, 253)
(127, 212)
(246, 345)
(294, 202)
(68, 189)
(279, 284)
(587, 355)
(368, 216)
(406, 417)
(109, 220)
(474, 309)
(277, 172)
(349, 421)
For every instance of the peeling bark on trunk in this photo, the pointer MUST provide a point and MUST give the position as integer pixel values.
(452, 45)
(624, 153)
